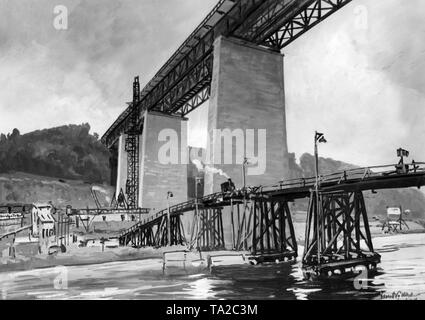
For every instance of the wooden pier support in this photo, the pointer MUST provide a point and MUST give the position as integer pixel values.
(211, 235)
(337, 238)
(264, 228)
(155, 234)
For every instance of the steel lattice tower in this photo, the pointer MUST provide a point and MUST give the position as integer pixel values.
(132, 149)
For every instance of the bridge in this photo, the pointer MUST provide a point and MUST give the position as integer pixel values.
(183, 83)
(337, 236)
(234, 60)
(235, 52)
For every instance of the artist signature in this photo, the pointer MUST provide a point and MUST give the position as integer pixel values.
(399, 295)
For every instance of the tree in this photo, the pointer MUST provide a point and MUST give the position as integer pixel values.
(15, 134)
(68, 152)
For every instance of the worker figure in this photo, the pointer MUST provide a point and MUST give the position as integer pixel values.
(415, 167)
(231, 185)
(402, 168)
(228, 186)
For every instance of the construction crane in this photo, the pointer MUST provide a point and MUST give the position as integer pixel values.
(132, 149)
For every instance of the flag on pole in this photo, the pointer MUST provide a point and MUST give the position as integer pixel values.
(320, 137)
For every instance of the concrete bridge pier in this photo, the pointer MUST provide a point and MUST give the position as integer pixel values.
(248, 98)
(162, 161)
(121, 165)
(246, 118)
(113, 164)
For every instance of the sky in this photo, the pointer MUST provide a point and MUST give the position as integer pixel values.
(358, 77)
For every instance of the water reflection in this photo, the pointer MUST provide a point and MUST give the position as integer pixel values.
(286, 282)
(402, 271)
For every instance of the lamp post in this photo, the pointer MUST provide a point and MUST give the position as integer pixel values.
(198, 218)
(318, 138)
(245, 163)
(169, 195)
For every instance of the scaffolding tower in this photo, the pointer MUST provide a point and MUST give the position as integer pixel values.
(132, 149)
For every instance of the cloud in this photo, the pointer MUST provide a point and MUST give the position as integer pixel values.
(363, 87)
(85, 73)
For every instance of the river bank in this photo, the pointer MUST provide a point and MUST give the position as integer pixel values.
(77, 256)
(401, 272)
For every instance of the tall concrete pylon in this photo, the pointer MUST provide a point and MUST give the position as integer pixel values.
(248, 98)
(162, 161)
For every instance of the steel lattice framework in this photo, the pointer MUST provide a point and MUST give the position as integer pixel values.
(132, 149)
(183, 83)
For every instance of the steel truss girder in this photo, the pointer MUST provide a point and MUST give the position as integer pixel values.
(282, 32)
(336, 232)
(165, 95)
(187, 89)
(269, 23)
(111, 137)
(262, 19)
(188, 94)
(197, 100)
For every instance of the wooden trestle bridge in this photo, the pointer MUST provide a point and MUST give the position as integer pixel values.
(337, 236)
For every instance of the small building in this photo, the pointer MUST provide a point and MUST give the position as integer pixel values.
(394, 220)
(43, 224)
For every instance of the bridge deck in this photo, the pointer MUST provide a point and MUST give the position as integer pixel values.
(361, 179)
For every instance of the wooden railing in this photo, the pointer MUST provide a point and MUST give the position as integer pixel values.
(356, 174)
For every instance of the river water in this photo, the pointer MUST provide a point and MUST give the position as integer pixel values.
(401, 276)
